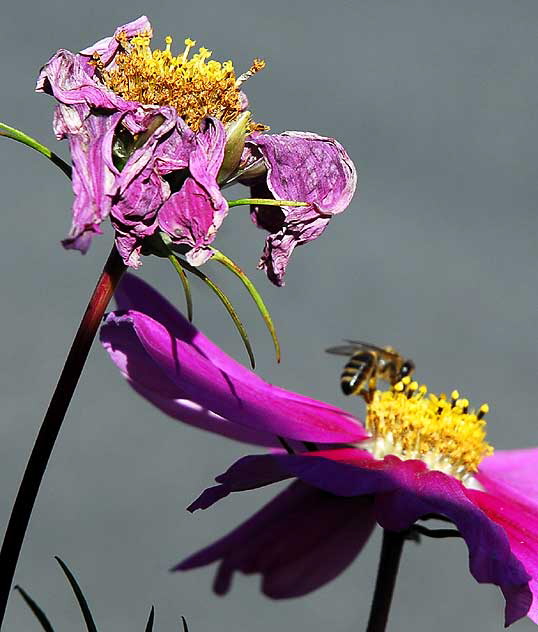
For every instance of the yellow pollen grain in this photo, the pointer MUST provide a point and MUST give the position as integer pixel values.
(196, 87)
(429, 427)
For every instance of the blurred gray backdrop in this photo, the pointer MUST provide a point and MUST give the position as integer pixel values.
(437, 104)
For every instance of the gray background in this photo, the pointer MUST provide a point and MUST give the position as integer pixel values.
(437, 104)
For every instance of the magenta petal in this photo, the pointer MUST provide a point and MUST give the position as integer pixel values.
(512, 473)
(216, 382)
(286, 540)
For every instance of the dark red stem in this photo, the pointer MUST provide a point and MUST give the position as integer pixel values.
(44, 443)
(389, 562)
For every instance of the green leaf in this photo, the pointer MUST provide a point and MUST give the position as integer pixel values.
(149, 624)
(227, 304)
(264, 202)
(83, 604)
(184, 282)
(225, 261)
(38, 613)
(21, 137)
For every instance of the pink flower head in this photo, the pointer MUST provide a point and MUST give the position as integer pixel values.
(427, 457)
(155, 137)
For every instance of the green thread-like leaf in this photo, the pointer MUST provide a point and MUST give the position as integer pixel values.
(256, 297)
(264, 202)
(83, 604)
(184, 282)
(38, 613)
(227, 304)
(21, 137)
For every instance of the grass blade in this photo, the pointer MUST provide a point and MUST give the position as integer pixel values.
(185, 283)
(149, 624)
(21, 137)
(227, 304)
(83, 604)
(38, 613)
(256, 297)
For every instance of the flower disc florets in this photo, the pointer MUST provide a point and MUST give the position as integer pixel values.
(443, 433)
(196, 87)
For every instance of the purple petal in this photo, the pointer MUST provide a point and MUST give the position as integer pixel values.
(520, 523)
(403, 492)
(306, 168)
(217, 383)
(66, 79)
(189, 217)
(286, 540)
(109, 46)
(93, 175)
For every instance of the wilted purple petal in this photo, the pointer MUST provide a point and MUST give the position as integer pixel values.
(107, 47)
(189, 217)
(93, 177)
(301, 540)
(304, 167)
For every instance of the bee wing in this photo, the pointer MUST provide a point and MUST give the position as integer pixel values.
(343, 350)
(358, 344)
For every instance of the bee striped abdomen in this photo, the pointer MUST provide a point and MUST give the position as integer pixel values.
(356, 372)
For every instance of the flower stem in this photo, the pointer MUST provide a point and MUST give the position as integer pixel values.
(389, 561)
(44, 443)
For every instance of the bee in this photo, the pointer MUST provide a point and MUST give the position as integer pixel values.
(368, 363)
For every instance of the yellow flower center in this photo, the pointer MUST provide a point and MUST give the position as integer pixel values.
(196, 87)
(442, 432)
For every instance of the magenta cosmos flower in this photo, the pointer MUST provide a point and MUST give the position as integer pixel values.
(155, 137)
(418, 457)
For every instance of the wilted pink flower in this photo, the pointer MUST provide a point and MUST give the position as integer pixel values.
(155, 137)
(420, 456)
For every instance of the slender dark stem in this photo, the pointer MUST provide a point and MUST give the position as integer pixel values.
(44, 443)
(391, 551)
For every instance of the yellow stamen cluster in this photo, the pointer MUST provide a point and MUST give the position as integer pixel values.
(442, 432)
(196, 87)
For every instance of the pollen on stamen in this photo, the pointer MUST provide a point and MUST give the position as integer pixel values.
(196, 87)
(445, 434)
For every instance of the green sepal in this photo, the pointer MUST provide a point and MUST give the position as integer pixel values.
(256, 297)
(227, 304)
(264, 202)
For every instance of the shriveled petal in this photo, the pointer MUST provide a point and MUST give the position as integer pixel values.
(93, 174)
(512, 473)
(216, 382)
(300, 541)
(403, 492)
(189, 217)
(65, 77)
(303, 167)
(107, 47)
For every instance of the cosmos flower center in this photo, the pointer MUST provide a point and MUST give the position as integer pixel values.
(197, 87)
(444, 433)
